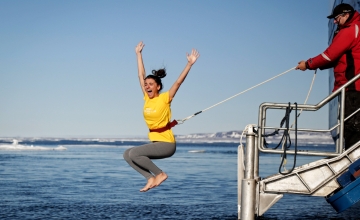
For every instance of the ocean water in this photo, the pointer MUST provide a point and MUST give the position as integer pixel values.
(92, 181)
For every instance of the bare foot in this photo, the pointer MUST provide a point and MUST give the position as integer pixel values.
(148, 185)
(159, 179)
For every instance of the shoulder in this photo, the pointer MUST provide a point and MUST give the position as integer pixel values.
(164, 93)
(165, 96)
(350, 31)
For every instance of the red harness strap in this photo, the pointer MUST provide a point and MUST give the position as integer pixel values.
(167, 127)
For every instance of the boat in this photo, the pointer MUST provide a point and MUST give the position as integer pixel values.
(336, 178)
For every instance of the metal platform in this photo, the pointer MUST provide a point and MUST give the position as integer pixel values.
(316, 179)
(319, 178)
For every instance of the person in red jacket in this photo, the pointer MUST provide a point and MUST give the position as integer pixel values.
(343, 54)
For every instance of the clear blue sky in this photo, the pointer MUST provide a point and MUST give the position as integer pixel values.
(68, 68)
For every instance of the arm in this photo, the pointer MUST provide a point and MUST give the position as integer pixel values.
(304, 65)
(191, 60)
(140, 64)
(342, 42)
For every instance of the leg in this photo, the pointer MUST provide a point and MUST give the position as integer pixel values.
(352, 125)
(146, 173)
(142, 155)
(351, 138)
(139, 159)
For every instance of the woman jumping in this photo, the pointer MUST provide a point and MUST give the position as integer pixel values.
(157, 115)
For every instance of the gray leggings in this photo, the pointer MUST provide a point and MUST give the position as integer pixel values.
(139, 157)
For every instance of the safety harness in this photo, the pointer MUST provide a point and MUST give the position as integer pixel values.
(167, 127)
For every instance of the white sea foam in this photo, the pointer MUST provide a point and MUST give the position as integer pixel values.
(16, 146)
(26, 147)
(196, 151)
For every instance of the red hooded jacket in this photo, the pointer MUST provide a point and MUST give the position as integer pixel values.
(343, 54)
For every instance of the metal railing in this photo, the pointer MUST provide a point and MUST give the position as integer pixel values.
(339, 145)
(257, 195)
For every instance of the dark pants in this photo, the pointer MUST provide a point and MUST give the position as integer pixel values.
(352, 125)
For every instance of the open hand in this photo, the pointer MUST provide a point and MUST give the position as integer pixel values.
(193, 56)
(139, 47)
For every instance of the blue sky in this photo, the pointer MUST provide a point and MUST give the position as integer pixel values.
(68, 68)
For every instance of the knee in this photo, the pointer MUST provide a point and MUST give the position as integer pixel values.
(126, 154)
(132, 154)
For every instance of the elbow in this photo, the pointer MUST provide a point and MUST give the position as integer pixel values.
(177, 84)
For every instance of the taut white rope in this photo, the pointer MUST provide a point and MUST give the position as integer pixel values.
(180, 121)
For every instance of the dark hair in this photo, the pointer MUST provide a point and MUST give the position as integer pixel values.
(157, 75)
(351, 15)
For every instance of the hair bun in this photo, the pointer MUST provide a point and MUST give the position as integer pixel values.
(161, 73)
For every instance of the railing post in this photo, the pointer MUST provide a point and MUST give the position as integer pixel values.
(248, 186)
(340, 146)
(256, 159)
(240, 175)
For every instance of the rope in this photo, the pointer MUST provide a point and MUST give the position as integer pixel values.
(284, 160)
(284, 140)
(298, 115)
(307, 97)
(180, 121)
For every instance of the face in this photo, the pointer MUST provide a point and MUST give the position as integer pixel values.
(151, 88)
(341, 19)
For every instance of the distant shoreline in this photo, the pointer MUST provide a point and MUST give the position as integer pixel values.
(304, 138)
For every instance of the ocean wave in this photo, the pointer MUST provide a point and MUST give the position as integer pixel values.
(16, 146)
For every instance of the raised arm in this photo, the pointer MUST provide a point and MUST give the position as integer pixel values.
(140, 63)
(191, 60)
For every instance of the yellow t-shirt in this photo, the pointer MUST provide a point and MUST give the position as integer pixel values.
(157, 114)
